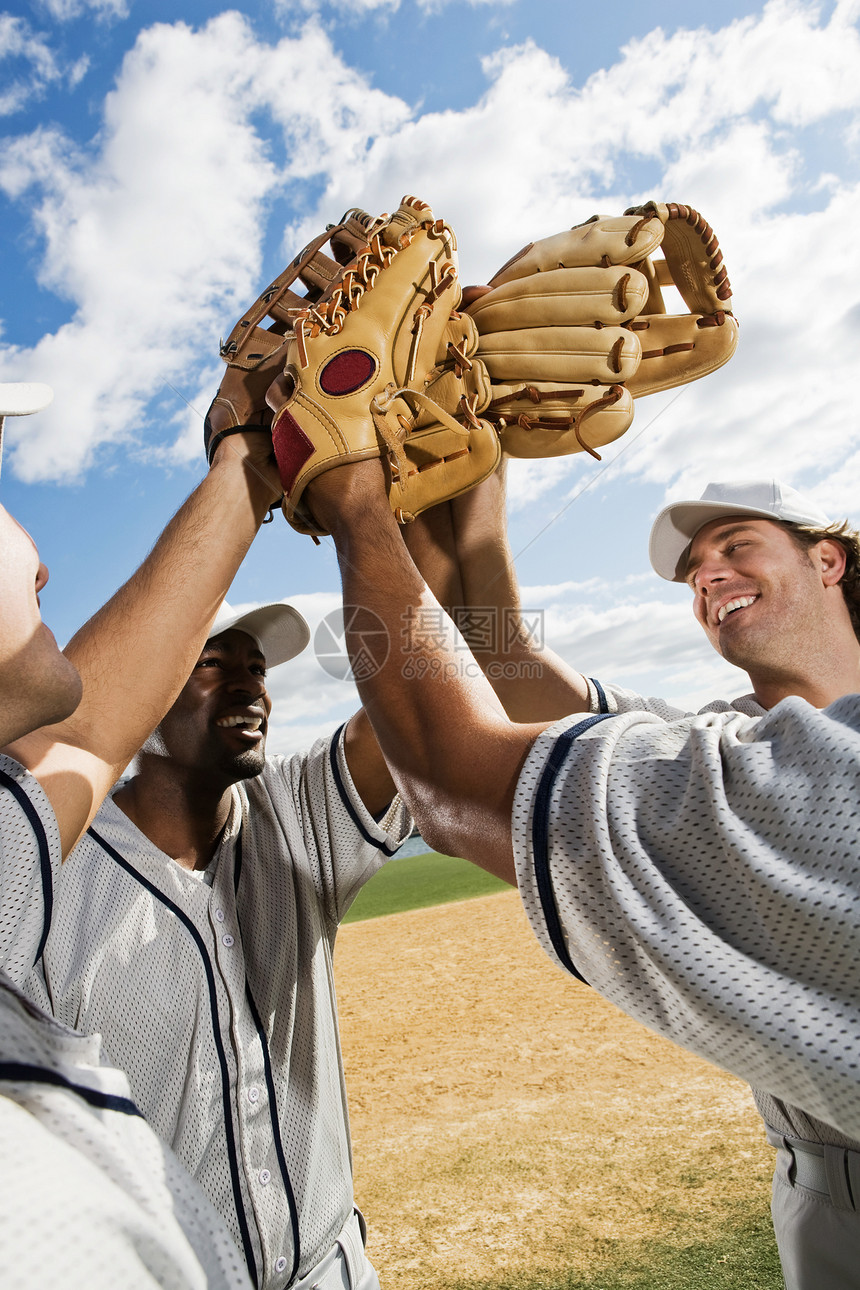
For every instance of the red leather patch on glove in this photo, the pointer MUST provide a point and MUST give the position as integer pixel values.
(347, 372)
(292, 448)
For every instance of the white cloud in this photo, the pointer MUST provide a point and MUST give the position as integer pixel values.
(155, 232)
(433, 6)
(66, 10)
(156, 235)
(779, 407)
(680, 105)
(19, 42)
(355, 8)
(651, 645)
(359, 8)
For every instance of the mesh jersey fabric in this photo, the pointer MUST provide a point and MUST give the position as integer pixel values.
(88, 1194)
(29, 866)
(782, 1116)
(218, 1000)
(704, 874)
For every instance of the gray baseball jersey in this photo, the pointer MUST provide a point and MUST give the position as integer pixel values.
(704, 874)
(785, 1118)
(89, 1196)
(216, 995)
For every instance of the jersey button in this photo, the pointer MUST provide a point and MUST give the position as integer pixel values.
(265, 1177)
(281, 1264)
(228, 940)
(253, 1094)
(219, 915)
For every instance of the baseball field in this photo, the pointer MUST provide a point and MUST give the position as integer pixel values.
(513, 1131)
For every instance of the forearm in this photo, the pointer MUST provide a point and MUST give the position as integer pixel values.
(532, 682)
(453, 753)
(136, 653)
(432, 544)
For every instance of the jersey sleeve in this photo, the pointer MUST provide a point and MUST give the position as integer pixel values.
(30, 858)
(704, 875)
(614, 699)
(604, 698)
(344, 844)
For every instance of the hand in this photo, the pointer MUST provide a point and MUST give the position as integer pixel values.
(344, 489)
(253, 448)
(471, 294)
(241, 401)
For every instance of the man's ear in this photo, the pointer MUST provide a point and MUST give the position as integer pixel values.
(832, 560)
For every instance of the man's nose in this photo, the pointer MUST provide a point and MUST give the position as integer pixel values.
(710, 573)
(247, 680)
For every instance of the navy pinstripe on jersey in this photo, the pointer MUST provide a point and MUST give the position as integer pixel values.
(217, 1037)
(21, 797)
(540, 837)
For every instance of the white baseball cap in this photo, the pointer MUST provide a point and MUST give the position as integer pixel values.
(22, 398)
(767, 499)
(280, 630)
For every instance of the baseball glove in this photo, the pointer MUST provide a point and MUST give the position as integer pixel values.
(374, 365)
(575, 327)
(254, 353)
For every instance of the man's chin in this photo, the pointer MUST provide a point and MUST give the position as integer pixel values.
(247, 764)
(745, 651)
(64, 693)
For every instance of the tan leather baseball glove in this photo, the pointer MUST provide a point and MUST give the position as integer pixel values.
(375, 366)
(255, 354)
(575, 327)
(376, 358)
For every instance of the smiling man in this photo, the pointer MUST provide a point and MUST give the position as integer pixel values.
(774, 586)
(194, 930)
(702, 871)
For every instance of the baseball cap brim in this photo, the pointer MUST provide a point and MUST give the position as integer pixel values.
(280, 629)
(677, 524)
(22, 398)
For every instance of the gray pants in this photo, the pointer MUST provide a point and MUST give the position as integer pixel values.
(816, 1195)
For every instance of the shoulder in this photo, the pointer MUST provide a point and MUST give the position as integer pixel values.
(111, 831)
(294, 772)
(25, 812)
(605, 698)
(30, 858)
(746, 704)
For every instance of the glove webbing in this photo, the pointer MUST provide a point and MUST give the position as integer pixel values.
(329, 316)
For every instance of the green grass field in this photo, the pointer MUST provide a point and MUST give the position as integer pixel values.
(744, 1259)
(416, 882)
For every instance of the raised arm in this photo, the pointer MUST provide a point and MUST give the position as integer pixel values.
(453, 752)
(430, 541)
(462, 549)
(136, 653)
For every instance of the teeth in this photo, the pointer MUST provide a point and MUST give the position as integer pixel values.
(249, 723)
(741, 603)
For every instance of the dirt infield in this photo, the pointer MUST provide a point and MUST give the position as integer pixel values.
(506, 1120)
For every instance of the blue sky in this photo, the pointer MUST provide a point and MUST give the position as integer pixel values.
(159, 164)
